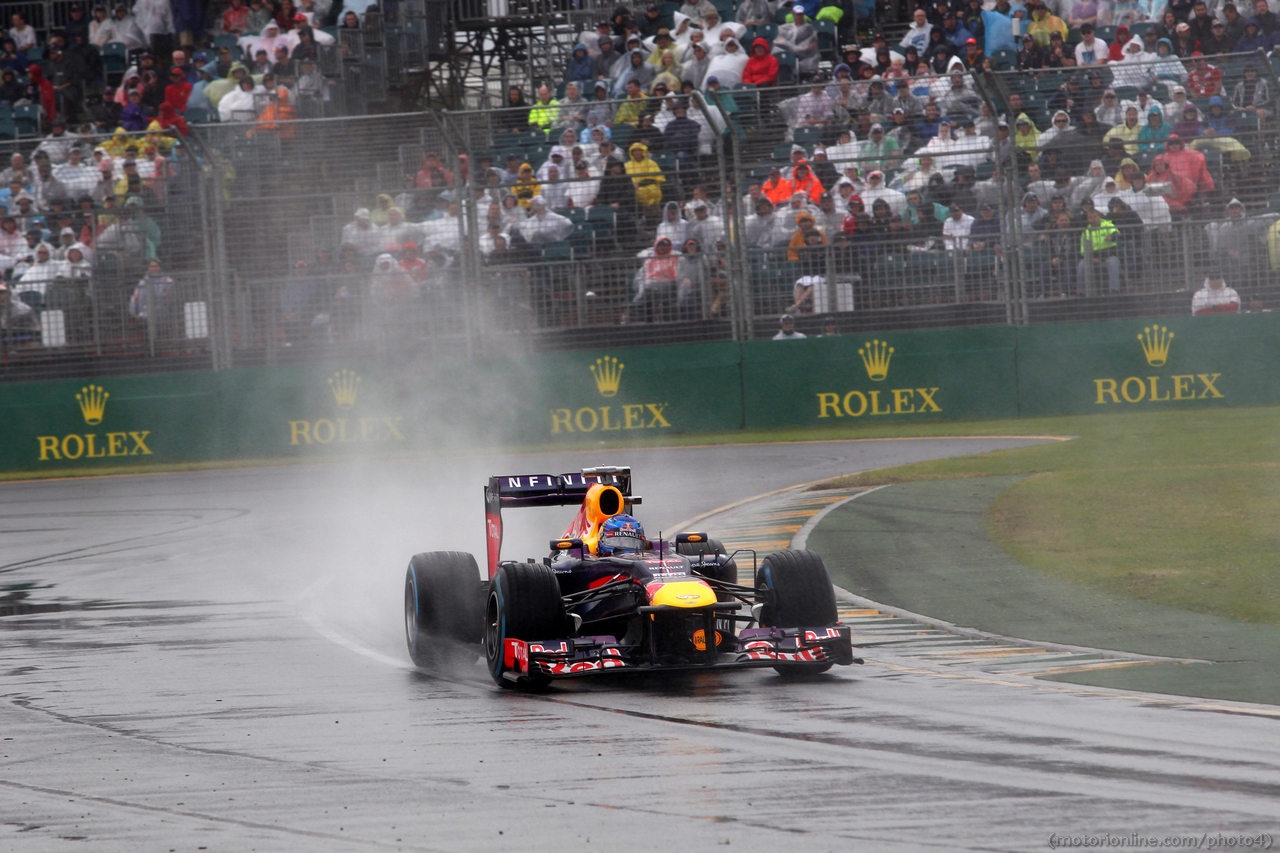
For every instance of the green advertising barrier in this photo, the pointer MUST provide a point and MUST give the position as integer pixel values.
(1129, 365)
(351, 408)
(646, 391)
(940, 374)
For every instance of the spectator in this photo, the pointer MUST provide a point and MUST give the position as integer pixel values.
(955, 230)
(762, 66)
(681, 136)
(1134, 69)
(542, 225)
(801, 38)
(1189, 125)
(515, 115)
(1205, 80)
(1200, 23)
(155, 19)
(1152, 137)
(656, 282)
(727, 68)
(236, 105)
(19, 322)
(582, 191)
(362, 234)
(917, 35)
(1043, 24)
(647, 178)
(766, 228)
(40, 276)
(1188, 165)
(122, 27)
(235, 20)
(787, 323)
(77, 176)
(1254, 38)
(178, 90)
(634, 70)
(1233, 22)
(22, 33)
(1214, 297)
(1251, 94)
(1233, 242)
(1099, 248)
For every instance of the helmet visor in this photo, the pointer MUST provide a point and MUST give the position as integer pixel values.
(622, 540)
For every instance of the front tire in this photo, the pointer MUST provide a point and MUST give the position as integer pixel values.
(443, 606)
(797, 593)
(524, 603)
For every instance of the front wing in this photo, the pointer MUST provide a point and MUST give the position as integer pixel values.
(754, 647)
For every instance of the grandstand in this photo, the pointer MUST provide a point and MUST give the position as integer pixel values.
(732, 163)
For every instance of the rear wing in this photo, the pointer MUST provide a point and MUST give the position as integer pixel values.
(529, 490)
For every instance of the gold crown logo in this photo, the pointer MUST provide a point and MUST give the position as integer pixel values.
(345, 384)
(608, 374)
(1155, 342)
(875, 357)
(93, 404)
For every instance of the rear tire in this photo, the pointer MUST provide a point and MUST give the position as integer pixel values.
(524, 603)
(802, 597)
(443, 607)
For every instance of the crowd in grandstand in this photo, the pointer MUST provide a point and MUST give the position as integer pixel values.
(1124, 126)
(106, 99)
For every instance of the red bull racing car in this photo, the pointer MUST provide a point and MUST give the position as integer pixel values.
(609, 600)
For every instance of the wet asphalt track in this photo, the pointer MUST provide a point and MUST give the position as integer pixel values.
(239, 682)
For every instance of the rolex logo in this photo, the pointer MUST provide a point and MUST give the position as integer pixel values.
(1155, 342)
(608, 374)
(93, 404)
(875, 357)
(345, 384)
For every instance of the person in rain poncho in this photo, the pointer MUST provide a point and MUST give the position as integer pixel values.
(801, 38)
(695, 65)
(754, 12)
(543, 225)
(1134, 69)
(669, 73)
(656, 279)
(647, 178)
(40, 275)
(361, 233)
(389, 284)
(1148, 203)
(1061, 126)
(122, 27)
(239, 100)
(727, 67)
(154, 17)
(1215, 297)
(270, 38)
(1233, 243)
(635, 69)
(673, 225)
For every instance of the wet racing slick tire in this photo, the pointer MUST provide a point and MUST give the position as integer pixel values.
(443, 607)
(802, 597)
(524, 603)
(727, 572)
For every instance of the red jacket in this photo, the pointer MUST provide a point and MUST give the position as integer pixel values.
(761, 70)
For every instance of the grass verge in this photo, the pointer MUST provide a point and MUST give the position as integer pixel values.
(1180, 508)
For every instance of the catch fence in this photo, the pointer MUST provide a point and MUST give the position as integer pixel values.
(264, 260)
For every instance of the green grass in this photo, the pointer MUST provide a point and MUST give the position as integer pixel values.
(1177, 508)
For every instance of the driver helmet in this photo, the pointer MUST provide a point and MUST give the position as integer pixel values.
(621, 533)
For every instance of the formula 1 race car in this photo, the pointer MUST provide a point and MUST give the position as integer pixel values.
(607, 599)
